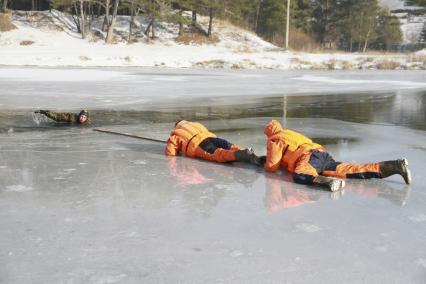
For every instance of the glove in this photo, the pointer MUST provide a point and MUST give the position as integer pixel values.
(41, 111)
(262, 159)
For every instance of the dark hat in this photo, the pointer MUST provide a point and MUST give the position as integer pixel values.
(83, 112)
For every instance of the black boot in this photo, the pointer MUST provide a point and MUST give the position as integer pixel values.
(247, 156)
(334, 184)
(400, 167)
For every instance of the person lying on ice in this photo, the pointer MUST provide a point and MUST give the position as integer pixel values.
(72, 118)
(196, 141)
(309, 162)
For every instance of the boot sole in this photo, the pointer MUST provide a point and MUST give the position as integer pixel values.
(407, 173)
(335, 186)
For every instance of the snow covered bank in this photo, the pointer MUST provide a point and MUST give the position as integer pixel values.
(51, 39)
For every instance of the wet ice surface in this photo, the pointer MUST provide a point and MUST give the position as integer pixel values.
(78, 206)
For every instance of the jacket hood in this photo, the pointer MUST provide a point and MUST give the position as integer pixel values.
(180, 122)
(272, 128)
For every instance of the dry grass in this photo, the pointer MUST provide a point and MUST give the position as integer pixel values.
(6, 23)
(243, 49)
(197, 38)
(298, 41)
(26, 42)
(215, 63)
(84, 58)
(418, 59)
(37, 19)
(387, 65)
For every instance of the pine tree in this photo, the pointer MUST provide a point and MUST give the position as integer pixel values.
(388, 31)
(324, 27)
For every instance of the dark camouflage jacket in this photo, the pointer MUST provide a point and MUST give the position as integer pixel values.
(67, 117)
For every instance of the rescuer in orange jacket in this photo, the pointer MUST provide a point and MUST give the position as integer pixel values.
(196, 141)
(309, 163)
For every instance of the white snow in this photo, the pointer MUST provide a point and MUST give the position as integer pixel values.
(51, 39)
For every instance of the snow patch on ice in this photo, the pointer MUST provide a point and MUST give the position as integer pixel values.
(236, 253)
(139, 162)
(418, 218)
(308, 228)
(421, 262)
(111, 279)
(18, 188)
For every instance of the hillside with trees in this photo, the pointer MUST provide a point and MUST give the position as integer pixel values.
(348, 25)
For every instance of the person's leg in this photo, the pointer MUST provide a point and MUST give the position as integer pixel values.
(219, 155)
(308, 168)
(367, 171)
(216, 149)
(349, 170)
(304, 172)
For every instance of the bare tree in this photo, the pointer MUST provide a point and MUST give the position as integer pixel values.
(110, 32)
(106, 18)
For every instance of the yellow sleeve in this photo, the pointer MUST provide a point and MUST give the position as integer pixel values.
(274, 153)
(172, 147)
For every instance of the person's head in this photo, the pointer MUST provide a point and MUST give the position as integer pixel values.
(83, 116)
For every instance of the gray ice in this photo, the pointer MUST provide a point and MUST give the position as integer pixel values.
(77, 206)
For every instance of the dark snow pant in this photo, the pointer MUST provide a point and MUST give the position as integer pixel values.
(211, 144)
(315, 162)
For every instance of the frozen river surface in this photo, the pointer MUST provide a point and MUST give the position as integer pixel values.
(77, 206)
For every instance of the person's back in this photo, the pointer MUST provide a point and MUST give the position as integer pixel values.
(285, 146)
(186, 137)
(194, 140)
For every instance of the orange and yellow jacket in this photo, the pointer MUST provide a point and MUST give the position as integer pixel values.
(186, 137)
(285, 147)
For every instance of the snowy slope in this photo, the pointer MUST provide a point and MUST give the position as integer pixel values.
(51, 39)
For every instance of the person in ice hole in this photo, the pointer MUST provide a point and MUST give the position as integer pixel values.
(66, 117)
(309, 162)
(194, 140)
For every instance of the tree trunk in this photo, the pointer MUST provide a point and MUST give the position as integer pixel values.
(209, 31)
(82, 20)
(366, 41)
(32, 5)
(106, 19)
(4, 6)
(76, 18)
(256, 20)
(110, 33)
(132, 15)
(194, 17)
(180, 22)
(153, 29)
(148, 28)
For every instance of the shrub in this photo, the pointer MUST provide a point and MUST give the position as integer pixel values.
(26, 42)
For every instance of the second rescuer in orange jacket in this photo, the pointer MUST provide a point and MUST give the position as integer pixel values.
(309, 163)
(194, 140)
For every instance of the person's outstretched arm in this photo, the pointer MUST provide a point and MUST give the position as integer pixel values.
(274, 153)
(172, 147)
(58, 116)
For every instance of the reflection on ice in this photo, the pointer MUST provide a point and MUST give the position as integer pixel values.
(282, 194)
